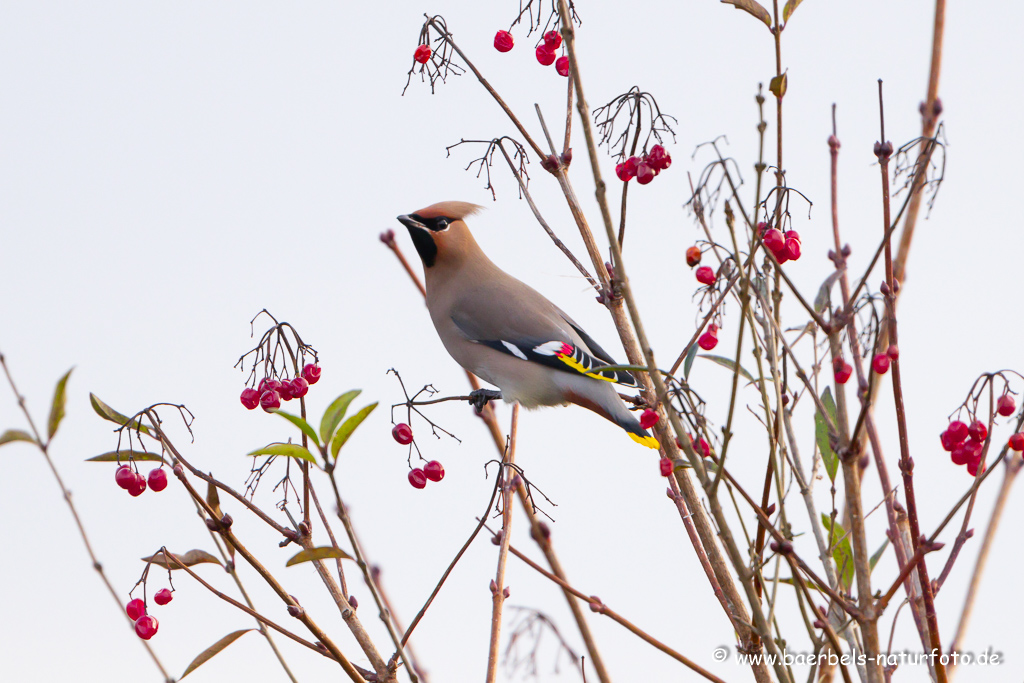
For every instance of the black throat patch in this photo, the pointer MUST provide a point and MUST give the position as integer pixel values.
(424, 245)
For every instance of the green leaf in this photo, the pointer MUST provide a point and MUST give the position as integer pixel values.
(828, 456)
(878, 554)
(753, 8)
(60, 400)
(322, 553)
(15, 435)
(788, 10)
(778, 85)
(124, 456)
(189, 559)
(825, 291)
(301, 424)
(207, 654)
(334, 414)
(108, 413)
(842, 552)
(690, 355)
(288, 449)
(349, 426)
(728, 363)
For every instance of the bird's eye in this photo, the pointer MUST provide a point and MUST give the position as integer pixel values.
(442, 223)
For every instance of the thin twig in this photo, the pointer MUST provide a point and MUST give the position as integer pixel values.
(506, 475)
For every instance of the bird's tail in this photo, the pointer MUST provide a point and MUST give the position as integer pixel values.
(606, 403)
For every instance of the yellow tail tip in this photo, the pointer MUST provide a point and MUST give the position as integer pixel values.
(648, 441)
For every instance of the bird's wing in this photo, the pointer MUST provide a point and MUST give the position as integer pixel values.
(527, 326)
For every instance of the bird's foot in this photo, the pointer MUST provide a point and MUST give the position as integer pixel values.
(479, 398)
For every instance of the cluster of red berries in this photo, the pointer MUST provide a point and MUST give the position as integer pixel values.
(665, 464)
(432, 471)
(545, 53)
(271, 392)
(645, 167)
(135, 484)
(784, 245)
(146, 625)
(709, 339)
(965, 444)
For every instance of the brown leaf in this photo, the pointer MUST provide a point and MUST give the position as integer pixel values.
(189, 559)
(788, 10)
(778, 85)
(213, 500)
(753, 8)
(15, 435)
(208, 654)
(322, 553)
(124, 456)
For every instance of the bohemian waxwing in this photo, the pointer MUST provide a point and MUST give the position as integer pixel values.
(504, 331)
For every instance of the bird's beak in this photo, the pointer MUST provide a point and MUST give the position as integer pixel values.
(410, 222)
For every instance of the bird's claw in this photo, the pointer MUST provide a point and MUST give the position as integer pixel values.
(479, 398)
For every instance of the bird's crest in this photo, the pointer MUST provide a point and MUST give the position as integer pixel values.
(455, 210)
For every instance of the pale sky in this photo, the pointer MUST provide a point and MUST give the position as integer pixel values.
(168, 170)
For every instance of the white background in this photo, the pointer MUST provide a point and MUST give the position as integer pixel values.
(168, 170)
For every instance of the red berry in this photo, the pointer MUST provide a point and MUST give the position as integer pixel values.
(880, 364)
(659, 158)
(135, 609)
(703, 447)
(974, 467)
(708, 340)
(627, 169)
(433, 470)
(978, 430)
(649, 418)
(552, 40)
(957, 431)
(158, 479)
(562, 66)
(270, 401)
(311, 373)
(545, 56)
(959, 455)
(893, 352)
(138, 487)
(146, 627)
(503, 41)
(972, 449)
(705, 275)
(163, 596)
(124, 477)
(1017, 441)
(417, 478)
(285, 392)
(693, 256)
(947, 442)
(1006, 405)
(782, 255)
(268, 384)
(666, 467)
(402, 433)
(841, 370)
(299, 387)
(422, 54)
(250, 398)
(644, 173)
(792, 235)
(774, 240)
(792, 249)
